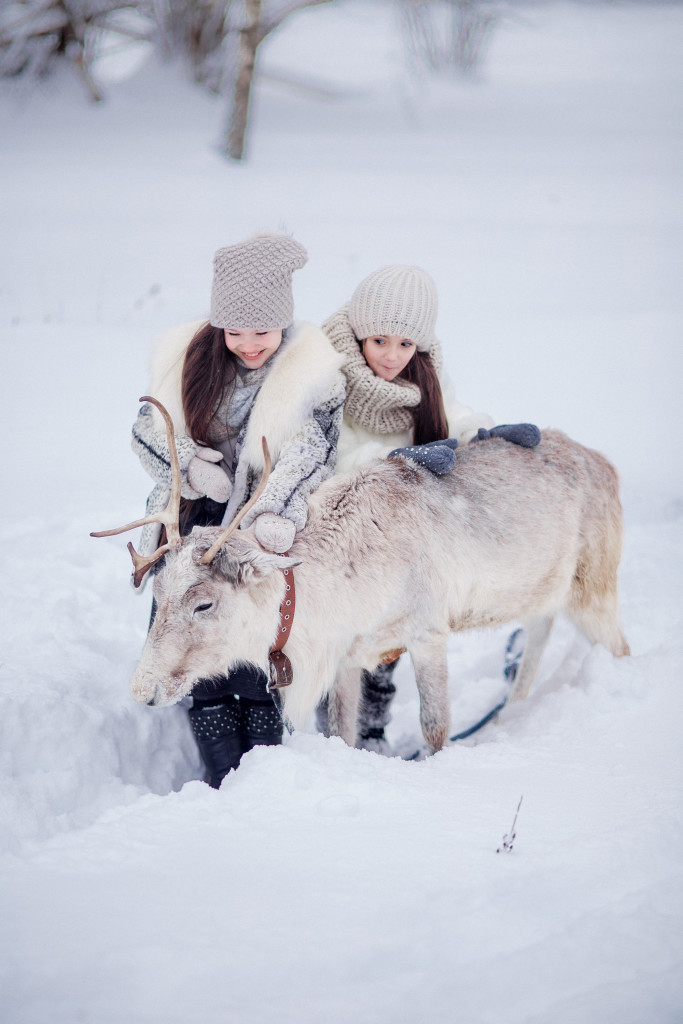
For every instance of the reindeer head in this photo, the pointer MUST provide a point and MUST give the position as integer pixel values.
(210, 617)
(217, 596)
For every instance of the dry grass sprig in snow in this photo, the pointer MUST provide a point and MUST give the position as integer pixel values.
(509, 837)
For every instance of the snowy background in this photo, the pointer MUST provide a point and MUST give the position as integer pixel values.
(323, 883)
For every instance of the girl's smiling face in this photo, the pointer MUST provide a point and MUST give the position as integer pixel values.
(253, 348)
(387, 354)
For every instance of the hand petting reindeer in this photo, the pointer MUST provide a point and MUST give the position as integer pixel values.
(392, 557)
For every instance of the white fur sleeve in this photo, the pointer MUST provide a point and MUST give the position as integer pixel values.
(463, 422)
(351, 456)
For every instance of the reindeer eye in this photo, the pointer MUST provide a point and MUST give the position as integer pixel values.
(204, 607)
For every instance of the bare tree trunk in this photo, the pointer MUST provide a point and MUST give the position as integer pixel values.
(250, 37)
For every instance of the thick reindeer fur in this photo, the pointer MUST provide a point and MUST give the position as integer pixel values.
(393, 557)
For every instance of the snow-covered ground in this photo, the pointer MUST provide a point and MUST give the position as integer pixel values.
(323, 883)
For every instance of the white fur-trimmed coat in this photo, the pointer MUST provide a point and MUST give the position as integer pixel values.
(298, 408)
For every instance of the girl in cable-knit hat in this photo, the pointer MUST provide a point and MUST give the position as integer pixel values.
(397, 393)
(397, 396)
(246, 372)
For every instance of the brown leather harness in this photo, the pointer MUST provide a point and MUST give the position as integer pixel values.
(280, 666)
(281, 673)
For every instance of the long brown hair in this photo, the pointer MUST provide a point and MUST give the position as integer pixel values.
(429, 417)
(209, 374)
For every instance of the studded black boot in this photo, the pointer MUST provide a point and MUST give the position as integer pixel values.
(261, 723)
(216, 728)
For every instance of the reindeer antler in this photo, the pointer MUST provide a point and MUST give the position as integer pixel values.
(169, 517)
(209, 555)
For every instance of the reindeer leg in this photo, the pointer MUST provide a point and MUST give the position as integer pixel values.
(342, 708)
(599, 622)
(431, 672)
(537, 631)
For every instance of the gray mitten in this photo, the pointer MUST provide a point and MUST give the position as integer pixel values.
(437, 456)
(274, 533)
(525, 434)
(206, 477)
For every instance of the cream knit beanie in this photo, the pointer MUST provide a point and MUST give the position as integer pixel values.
(252, 283)
(396, 300)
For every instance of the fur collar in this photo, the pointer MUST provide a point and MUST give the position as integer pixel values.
(300, 375)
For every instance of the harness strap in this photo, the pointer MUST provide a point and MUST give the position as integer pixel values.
(280, 666)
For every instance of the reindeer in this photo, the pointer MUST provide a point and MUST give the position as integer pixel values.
(392, 558)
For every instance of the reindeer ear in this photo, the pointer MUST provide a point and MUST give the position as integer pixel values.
(255, 565)
(250, 564)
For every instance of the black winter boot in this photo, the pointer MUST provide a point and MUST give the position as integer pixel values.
(322, 716)
(260, 723)
(216, 728)
(245, 681)
(378, 691)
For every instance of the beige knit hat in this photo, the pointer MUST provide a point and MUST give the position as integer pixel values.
(395, 300)
(252, 283)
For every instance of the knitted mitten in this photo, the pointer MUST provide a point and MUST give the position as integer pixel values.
(274, 532)
(437, 456)
(207, 478)
(526, 434)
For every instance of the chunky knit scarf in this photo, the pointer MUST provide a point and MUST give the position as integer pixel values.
(381, 406)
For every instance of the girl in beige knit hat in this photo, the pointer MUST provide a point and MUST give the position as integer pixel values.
(397, 395)
(245, 372)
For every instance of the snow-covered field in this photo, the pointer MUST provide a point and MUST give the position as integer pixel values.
(322, 883)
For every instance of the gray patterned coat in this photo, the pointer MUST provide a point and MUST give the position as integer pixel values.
(298, 408)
